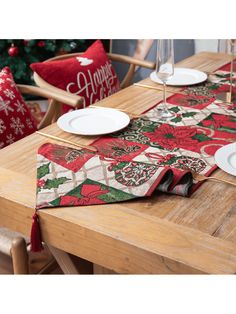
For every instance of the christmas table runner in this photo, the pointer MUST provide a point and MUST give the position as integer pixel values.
(148, 155)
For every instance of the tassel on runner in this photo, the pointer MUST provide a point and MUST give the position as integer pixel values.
(35, 238)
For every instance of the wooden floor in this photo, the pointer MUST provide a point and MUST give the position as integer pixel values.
(83, 267)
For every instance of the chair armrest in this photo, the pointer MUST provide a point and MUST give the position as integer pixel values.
(54, 109)
(57, 93)
(131, 60)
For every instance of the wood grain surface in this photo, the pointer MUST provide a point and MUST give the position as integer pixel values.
(162, 234)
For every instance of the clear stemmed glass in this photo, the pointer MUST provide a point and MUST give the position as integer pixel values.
(232, 50)
(165, 70)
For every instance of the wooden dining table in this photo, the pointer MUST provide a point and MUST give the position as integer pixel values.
(161, 234)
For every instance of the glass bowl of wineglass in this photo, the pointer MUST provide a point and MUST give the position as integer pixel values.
(164, 71)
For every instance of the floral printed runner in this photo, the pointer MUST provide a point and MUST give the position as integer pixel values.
(148, 155)
(133, 162)
(79, 177)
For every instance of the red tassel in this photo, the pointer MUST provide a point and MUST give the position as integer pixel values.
(36, 242)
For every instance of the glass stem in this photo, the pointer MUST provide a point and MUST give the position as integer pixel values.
(164, 97)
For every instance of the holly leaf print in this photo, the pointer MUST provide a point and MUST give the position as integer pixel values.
(43, 170)
(54, 183)
(171, 160)
(201, 137)
(175, 109)
(214, 86)
(149, 128)
(188, 114)
(227, 75)
(176, 120)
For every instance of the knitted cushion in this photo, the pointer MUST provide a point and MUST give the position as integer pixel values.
(89, 75)
(15, 118)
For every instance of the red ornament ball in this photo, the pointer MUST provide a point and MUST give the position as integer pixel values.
(13, 51)
(41, 43)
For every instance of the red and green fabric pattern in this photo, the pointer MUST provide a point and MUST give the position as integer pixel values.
(95, 179)
(148, 155)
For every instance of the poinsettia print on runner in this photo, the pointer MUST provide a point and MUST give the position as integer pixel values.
(169, 137)
(225, 123)
(191, 138)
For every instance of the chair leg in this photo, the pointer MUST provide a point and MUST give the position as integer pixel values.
(19, 256)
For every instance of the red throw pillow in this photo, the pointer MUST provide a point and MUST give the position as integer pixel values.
(15, 118)
(89, 75)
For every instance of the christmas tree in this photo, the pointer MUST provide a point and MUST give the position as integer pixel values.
(20, 53)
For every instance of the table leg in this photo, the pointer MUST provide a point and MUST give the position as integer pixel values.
(64, 261)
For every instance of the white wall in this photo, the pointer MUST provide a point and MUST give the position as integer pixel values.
(206, 45)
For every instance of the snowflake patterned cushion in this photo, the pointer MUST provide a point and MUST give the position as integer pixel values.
(16, 121)
(89, 75)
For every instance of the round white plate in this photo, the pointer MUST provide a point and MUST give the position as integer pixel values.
(225, 158)
(91, 121)
(182, 77)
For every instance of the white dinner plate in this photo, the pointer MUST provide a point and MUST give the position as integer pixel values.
(93, 121)
(225, 158)
(182, 77)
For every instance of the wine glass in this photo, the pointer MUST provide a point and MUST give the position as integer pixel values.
(164, 71)
(232, 50)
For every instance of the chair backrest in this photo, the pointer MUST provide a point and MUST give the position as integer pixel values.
(56, 98)
(118, 58)
(55, 109)
(113, 57)
(226, 46)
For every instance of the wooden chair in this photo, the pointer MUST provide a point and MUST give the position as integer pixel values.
(133, 63)
(15, 255)
(15, 244)
(56, 98)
